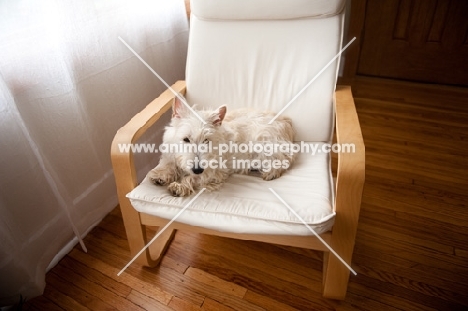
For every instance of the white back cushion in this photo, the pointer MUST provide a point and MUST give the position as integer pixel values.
(261, 53)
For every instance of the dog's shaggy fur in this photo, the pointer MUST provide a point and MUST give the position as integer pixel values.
(181, 172)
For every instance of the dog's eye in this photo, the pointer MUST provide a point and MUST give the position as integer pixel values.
(205, 141)
(186, 139)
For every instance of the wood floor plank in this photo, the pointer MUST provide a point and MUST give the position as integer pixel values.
(134, 283)
(418, 195)
(97, 289)
(427, 212)
(179, 304)
(170, 263)
(44, 302)
(213, 281)
(147, 302)
(85, 298)
(387, 245)
(209, 291)
(384, 300)
(423, 231)
(62, 300)
(97, 277)
(267, 302)
(450, 274)
(212, 305)
(118, 257)
(413, 95)
(411, 279)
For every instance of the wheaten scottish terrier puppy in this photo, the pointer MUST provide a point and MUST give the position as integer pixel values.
(204, 155)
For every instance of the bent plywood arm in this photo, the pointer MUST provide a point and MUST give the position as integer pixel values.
(349, 185)
(124, 167)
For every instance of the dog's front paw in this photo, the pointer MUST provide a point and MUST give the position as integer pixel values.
(158, 181)
(179, 190)
(161, 177)
(272, 174)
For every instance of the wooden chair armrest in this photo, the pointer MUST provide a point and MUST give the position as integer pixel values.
(122, 162)
(349, 185)
(351, 165)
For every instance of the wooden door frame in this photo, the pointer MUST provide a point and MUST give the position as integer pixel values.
(355, 29)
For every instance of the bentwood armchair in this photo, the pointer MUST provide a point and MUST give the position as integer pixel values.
(260, 53)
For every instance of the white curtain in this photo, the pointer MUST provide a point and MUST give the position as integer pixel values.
(67, 83)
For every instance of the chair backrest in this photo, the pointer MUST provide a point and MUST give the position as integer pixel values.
(261, 53)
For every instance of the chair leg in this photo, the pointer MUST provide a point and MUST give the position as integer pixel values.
(136, 236)
(161, 244)
(335, 277)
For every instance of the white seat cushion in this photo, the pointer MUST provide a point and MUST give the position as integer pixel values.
(246, 205)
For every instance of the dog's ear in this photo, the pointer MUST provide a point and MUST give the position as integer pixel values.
(178, 108)
(218, 117)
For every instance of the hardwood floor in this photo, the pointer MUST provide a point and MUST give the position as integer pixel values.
(411, 250)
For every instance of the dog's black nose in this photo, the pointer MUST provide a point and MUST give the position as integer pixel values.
(197, 170)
